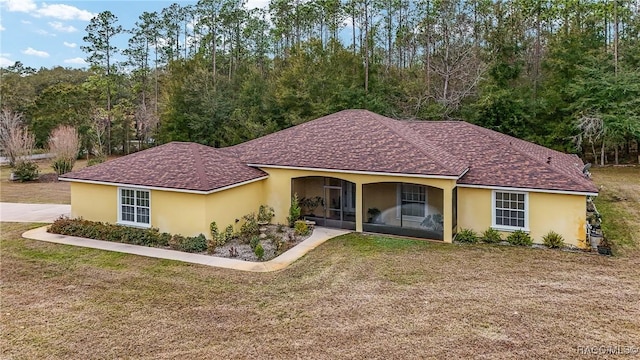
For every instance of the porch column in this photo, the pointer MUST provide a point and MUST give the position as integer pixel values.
(447, 202)
(359, 201)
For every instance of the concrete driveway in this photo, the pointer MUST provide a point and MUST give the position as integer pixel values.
(14, 212)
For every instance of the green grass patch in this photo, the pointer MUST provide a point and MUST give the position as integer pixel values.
(615, 224)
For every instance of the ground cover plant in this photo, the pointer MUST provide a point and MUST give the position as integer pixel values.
(354, 296)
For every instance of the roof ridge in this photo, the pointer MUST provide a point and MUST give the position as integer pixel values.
(202, 176)
(491, 134)
(415, 142)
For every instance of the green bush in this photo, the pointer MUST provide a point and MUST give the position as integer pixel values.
(491, 236)
(259, 251)
(96, 160)
(294, 211)
(249, 227)
(193, 244)
(553, 240)
(301, 228)
(254, 242)
(110, 232)
(519, 238)
(466, 236)
(62, 166)
(265, 214)
(280, 228)
(25, 171)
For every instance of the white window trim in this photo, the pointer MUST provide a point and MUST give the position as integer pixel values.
(399, 204)
(505, 227)
(132, 223)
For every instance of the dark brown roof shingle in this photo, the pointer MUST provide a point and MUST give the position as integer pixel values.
(354, 140)
(176, 165)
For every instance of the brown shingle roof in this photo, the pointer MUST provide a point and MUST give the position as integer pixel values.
(354, 140)
(497, 159)
(176, 165)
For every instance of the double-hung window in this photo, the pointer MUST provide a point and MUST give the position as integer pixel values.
(510, 210)
(412, 200)
(133, 207)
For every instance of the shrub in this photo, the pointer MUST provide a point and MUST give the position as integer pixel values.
(254, 242)
(226, 236)
(26, 171)
(280, 228)
(96, 160)
(520, 238)
(194, 244)
(491, 236)
(277, 241)
(301, 228)
(213, 229)
(250, 227)
(467, 236)
(265, 214)
(65, 144)
(111, 232)
(294, 211)
(176, 241)
(259, 251)
(553, 240)
(62, 166)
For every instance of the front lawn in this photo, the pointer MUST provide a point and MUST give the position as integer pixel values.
(355, 296)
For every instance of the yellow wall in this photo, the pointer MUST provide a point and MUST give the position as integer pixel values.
(179, 213)
(173, 212)
(474, 209)
(94, 202)
(564, 214)
(224, 207)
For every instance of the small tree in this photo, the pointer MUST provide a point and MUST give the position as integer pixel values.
(16, 142)
(64, 143)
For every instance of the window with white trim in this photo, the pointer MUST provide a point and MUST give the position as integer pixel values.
(134, 207)
(510, 210)
(412, 201)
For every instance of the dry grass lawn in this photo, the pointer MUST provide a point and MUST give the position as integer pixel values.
(36, 192)
(356, 296)
(619, 203)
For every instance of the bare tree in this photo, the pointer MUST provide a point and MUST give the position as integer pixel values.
(146, 122)
(592, 131)
(65, 144)
(16, 142)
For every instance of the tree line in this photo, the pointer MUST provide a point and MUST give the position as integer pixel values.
(564, 74)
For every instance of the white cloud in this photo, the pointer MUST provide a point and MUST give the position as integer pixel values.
(4, 62)
(77, 61)
(19, 5)
(68, 44)
(58, 26)
(26, 22)
(64, 12)
(2, 28)
(43, 32)
(34, 52)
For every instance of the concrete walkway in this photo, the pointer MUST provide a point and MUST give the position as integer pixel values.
(319, 236)
(15, 212)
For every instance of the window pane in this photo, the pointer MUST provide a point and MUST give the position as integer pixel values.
(520, 197)
(521, 223)
(143, 216)
(498, 196)
(127, 213)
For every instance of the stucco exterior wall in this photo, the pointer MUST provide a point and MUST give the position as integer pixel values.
(224, 207)
(179, 213)
(562, 213)
(94, 202)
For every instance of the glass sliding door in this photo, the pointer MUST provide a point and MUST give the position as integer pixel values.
(333, 206)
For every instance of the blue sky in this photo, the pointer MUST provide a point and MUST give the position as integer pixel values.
(48, 34)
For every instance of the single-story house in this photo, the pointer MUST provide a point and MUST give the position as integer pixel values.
(354, 170)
